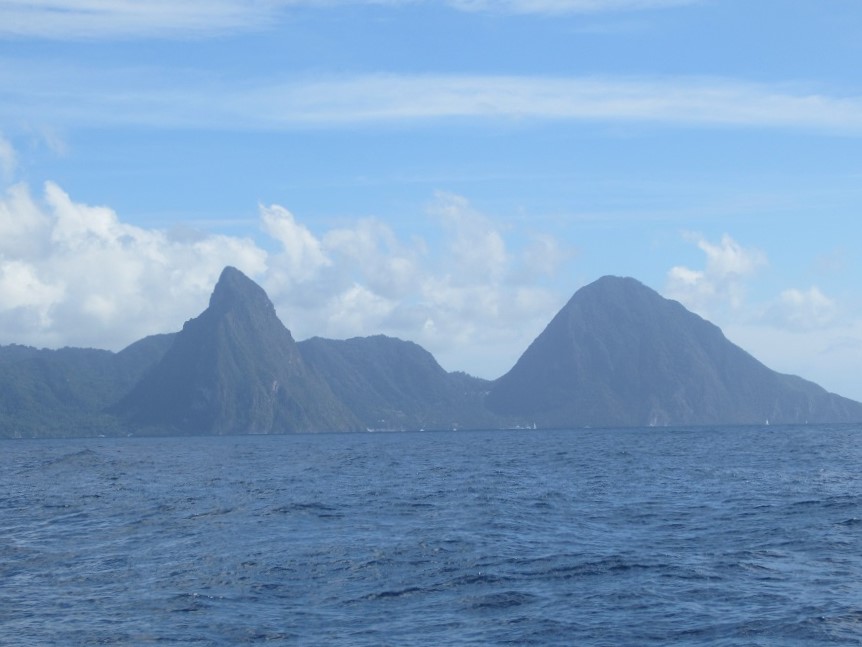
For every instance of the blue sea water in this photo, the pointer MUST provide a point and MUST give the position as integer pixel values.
(729, 536)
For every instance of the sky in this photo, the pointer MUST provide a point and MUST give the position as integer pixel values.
(448, 172)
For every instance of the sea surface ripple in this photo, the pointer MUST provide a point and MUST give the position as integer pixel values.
(726, 536)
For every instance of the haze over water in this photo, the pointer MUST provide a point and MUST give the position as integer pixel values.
(646, 536)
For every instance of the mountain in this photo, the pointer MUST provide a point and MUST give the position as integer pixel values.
(234, 369)
(394, 384)
(64, 392)
(619, 354)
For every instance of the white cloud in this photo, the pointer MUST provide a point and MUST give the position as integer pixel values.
(800, 331)
(722, 281)
(86, 19)
(53, 141)
(302, 255)
(565, 6)
(543, 256)
(182, 98)
(8, 159)
(76, 274)
(729, 259)
(356, 312)
(370, 251)
(672, 101)
(466, 302)
(23, 290)
(24, 225)
(117, 19)
(802, 310)
(476, 307)
(476, 246)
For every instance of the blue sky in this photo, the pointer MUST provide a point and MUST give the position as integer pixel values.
(448, 172)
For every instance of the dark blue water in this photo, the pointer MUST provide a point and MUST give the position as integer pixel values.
(638, 537)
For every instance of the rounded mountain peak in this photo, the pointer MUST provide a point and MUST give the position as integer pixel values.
(615, 286)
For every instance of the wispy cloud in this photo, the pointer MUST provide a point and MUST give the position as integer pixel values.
(665, 100)
(565, 6)
(121, 19)
(68, 97)
(96, 19)
(8, 159)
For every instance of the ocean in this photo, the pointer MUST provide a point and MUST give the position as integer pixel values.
(701, 536)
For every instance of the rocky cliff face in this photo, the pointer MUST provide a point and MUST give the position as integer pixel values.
(619, 354)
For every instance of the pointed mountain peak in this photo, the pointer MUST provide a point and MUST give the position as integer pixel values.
(235, 368)
(235, 289)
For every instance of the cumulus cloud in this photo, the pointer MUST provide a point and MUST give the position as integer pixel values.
(77, 274)
(478, 301)
(721, 283)
(345, 282)
(465, 300)
(26, 297)
(801, 310)
(822, 333)
(74, 274)
(23, 224)
(728, 259)
(476, 246)
(302, 255)
(370, 251)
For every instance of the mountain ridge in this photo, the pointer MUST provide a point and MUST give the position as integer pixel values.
(618, 354)
(392, 384)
